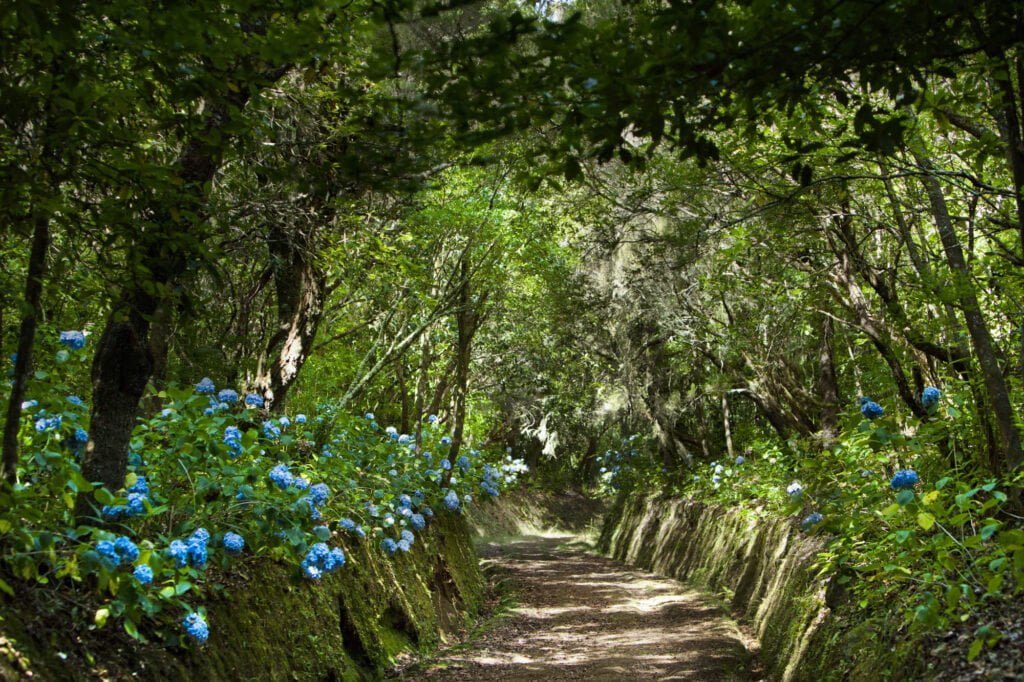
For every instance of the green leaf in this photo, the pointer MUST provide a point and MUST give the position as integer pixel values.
(925, 520)
(975, 649)
(989, 530)
(100, 617)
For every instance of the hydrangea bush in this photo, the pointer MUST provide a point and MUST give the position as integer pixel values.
(903, 520)
(214, 480)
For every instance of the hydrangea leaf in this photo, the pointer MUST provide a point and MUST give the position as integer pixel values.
(925, 520)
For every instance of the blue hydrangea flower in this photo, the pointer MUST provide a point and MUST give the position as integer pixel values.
(200, 534)
(446, 465)
(29, 404)
(404, 545)
(301, 482)
(281, 476)
(233, 543)
(432, 419)
(463, 463)
(451, 500)
(428, 512)
(811, 520)
(144, 574)
(904, 479)
(136, 504)
(408, 536)
(109, 555)
(73, 339)
(300, 419)
(392, 473)
(930, 396)
(326, 451)
(467, 498)
(285, 422)
(196, 627)
(254, 400)
(389, 546)
(227, 396)
(205, 386)
(271, 431)
(179, 552)
(126, 549)
(81, 436)
(369, 416)
(871, 410)
(75, 400)
(404, 500)
(233, 439)
(417, 521)
(319, 493)
(404, 439)
(347, 524)
(740, 459)
(45, 424)
(795, 489)
(446, 440)
(392, 432)
(320, 560)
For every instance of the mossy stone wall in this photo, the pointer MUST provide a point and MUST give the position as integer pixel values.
(269, 624)
(763, 566)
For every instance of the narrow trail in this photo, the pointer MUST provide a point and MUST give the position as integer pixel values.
(579, 616)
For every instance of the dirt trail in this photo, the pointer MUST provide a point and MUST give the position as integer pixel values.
(579, 616)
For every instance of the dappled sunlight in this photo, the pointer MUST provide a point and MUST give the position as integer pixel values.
(581, 616)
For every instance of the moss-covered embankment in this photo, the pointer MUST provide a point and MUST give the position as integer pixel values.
(268, 623)
(806, 625)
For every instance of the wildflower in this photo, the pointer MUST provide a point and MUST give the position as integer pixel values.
(810, 521)
(795, 489)
(227, 396)
(254, 400)
(144, 574)
(111, 558)
(178, 551)
(281, 476)
(870, 409)
(271, 431)
(206, 387)
(300, 419)
(196, 627)
(389, 546)
(930, 396)
(451, 500)
(73, 339)
(417, 521)
(44, 424)
(904, 479)
(126, 549)
(234, 543)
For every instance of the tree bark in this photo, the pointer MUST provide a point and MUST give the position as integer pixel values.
(981, 337)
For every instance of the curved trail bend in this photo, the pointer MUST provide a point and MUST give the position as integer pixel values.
(579, 616)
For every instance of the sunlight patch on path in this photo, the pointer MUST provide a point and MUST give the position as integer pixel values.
(584, 617)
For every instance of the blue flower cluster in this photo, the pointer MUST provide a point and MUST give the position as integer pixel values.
(233, 543)
(388, 546)
(870, 409)
(138, 495)
(451, 501)
(321, 560)
(811, 520)
(196, 627)
(206, 387)
(930, 397)
(904, 479)
(282, 476)
(254, 400)
(463, 463)
(417, 521)
(144, 574)
(271, 431)
(233, 439)
(489, 483)
(44, 424)
(73, 339)
(114, 553)
(795, 490)
(227, 396)
(350, 526)
(191, 552)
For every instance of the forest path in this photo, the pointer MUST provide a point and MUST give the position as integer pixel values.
(580, 616)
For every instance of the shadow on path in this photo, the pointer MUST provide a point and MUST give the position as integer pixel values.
(580, 616)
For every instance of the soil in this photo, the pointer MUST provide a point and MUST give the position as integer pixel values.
(579, 616)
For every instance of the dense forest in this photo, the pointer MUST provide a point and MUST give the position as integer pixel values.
(278, 270)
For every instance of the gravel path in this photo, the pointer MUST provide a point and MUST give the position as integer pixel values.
(579, 616)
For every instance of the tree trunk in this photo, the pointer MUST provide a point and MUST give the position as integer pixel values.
(828, 383)
(26, 341)
(301, 288)
(466, 318)
(981, 338)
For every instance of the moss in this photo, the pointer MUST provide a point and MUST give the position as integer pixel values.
(271, 624)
